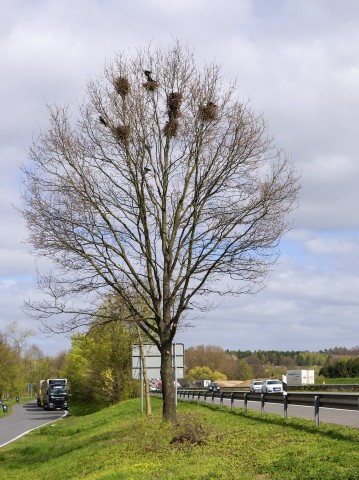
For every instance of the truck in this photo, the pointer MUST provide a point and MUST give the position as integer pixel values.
(202, 383)
(54, 394)
(296, 378)
(39, 394)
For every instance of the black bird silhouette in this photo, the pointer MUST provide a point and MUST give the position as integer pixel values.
(103, 121)
(148, 75)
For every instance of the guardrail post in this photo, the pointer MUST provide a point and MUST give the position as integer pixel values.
(285, 403)
(199, 397)
(221, 400)
(262, 402)
(212, 399)
(205, 397)
(246, 402)
(316, 410)
(232, 401)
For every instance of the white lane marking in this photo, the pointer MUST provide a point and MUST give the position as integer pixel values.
(32, 429)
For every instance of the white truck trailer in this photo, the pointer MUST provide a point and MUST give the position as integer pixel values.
(202, 383)
(300, 377)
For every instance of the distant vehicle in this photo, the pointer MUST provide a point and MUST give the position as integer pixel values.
(272, 386)
(39, 394)
(54, 394)
(300, 377)
(156, 387)
(256, 386)
(214, 387)
(184, 384)
(202, 383)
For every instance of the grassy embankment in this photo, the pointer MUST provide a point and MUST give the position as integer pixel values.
(340, 381)
(10, 404)
(120, 443)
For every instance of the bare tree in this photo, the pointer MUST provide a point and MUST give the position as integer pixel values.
(165, 188)
(18, 336)
(216, 358)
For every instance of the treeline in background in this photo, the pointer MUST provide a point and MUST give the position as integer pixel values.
(98, 365)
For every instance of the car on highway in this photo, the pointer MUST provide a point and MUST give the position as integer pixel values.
(256, 386)
(214, 387)
(272, 386)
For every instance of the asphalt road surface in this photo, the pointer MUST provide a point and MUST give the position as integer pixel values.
(28, 416)
(24, 418)
(349, 418)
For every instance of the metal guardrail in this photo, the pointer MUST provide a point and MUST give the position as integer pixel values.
(337, 387)
(341, 401)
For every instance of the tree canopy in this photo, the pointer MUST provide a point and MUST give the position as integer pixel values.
(165, 187)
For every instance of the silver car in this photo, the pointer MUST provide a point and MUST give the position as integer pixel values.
(272, 386)
(256, 386)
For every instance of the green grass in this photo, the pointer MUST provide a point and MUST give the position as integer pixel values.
(10, 404)
(340, 381)
(121, 443)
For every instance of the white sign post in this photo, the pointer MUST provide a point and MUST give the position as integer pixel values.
(153, 363)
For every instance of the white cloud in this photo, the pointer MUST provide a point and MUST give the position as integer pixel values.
(298, 61)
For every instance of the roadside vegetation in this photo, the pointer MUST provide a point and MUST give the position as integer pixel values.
(342, 381)
(214, 363)
(120, 443)
(101, 357)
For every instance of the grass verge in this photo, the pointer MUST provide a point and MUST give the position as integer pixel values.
(11, 403)
(120, 443)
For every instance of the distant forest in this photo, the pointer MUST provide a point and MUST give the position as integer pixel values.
(246, 364)
(337, 362)
(281, 357)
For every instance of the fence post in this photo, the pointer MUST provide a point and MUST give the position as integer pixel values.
(246, 402)
(212, 399)
(199, 397)
(285, 403)
(221, 401)
(316, 410)
(232, 401)
(262, 402)
(285, 385)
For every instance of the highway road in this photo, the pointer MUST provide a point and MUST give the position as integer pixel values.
(24, 418)
(348, 418)
(28, 416)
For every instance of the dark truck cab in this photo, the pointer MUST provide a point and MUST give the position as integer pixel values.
(54, 394)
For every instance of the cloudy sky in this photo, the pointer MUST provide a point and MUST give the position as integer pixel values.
(298, 63)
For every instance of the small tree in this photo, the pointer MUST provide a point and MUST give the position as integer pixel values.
(167, 186)
(205, 373)
(99, 366)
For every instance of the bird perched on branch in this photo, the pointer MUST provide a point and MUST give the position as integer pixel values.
(103, 121)
(148, 75)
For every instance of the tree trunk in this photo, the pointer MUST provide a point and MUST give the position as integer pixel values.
(168, 387)
(144, 373)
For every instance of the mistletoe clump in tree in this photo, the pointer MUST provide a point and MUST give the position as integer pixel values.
(165, 188)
